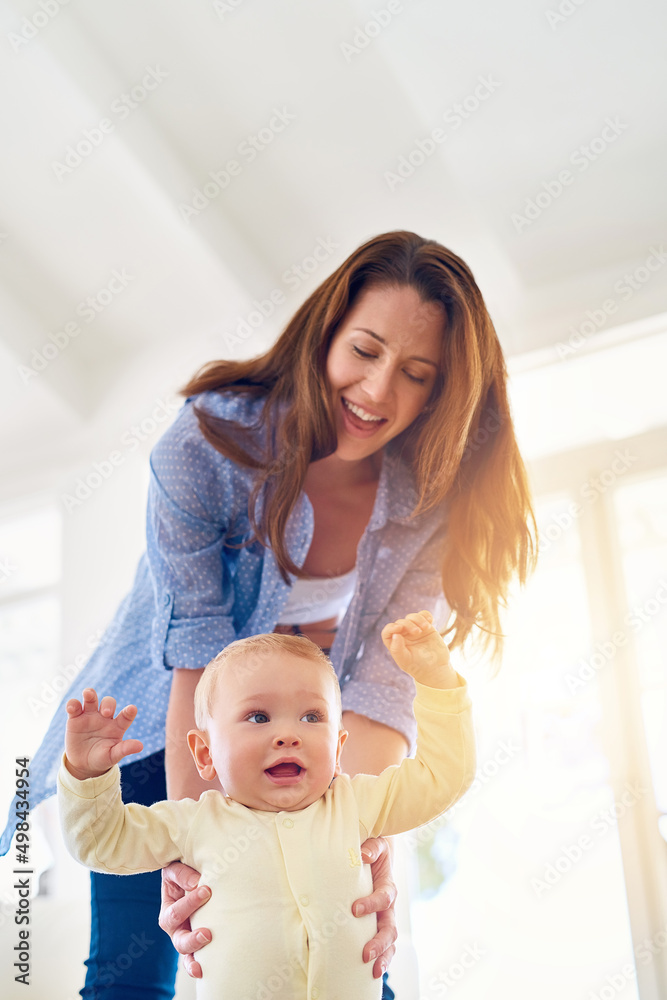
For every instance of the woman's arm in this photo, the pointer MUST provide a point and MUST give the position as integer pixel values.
(183, 781)
(371, 746)
(181, 894)
(191, 493)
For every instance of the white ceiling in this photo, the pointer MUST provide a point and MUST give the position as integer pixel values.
(219, 73)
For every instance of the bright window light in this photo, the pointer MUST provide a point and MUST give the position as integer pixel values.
(601, 395)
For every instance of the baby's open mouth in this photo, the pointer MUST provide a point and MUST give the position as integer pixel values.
(286, 770)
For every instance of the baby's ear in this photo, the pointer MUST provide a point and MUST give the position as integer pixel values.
(199, 748)
(342, 736)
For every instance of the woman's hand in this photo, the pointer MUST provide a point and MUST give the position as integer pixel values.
(181, 897)
(377, 852)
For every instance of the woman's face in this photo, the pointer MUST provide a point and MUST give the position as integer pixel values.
(382, 364)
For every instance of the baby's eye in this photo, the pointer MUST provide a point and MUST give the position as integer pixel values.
(311, 717)
(258, 717)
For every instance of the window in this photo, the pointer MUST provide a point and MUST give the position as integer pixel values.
(30, 572)
(549, 874)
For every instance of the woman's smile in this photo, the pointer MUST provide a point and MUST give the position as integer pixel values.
(360, 421)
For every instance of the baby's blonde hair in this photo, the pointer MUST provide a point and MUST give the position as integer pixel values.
(247, 654)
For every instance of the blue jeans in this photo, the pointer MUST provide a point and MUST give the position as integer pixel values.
(131, 958)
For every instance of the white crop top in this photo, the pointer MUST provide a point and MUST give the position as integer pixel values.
(318, 599)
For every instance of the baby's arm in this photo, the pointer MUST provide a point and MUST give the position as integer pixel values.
(93, 738)
(421, 788)
(100, 831)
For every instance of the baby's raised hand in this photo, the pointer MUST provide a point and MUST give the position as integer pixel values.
(419, 649)
(93, 738)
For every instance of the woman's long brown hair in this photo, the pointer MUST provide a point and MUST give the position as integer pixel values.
(462, 448)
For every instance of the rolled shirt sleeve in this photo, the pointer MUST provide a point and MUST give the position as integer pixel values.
(189, 519)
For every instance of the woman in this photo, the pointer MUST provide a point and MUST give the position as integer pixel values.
(371, 450)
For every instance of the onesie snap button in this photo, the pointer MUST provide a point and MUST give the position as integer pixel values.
(289, 823)
(304, 900)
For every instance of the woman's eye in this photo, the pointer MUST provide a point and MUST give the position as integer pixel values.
(362, 354)
(258, 717)
(367, 356)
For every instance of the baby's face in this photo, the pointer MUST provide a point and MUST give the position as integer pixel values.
(274, 738)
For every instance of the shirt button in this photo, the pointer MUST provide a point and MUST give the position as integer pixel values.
(346, 678)
(289, 823)
(304, 900)
(314, 993)
(165, 600)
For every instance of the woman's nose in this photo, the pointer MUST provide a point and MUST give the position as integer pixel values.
(378, 380)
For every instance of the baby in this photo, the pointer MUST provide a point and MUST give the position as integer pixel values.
(280, 849)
